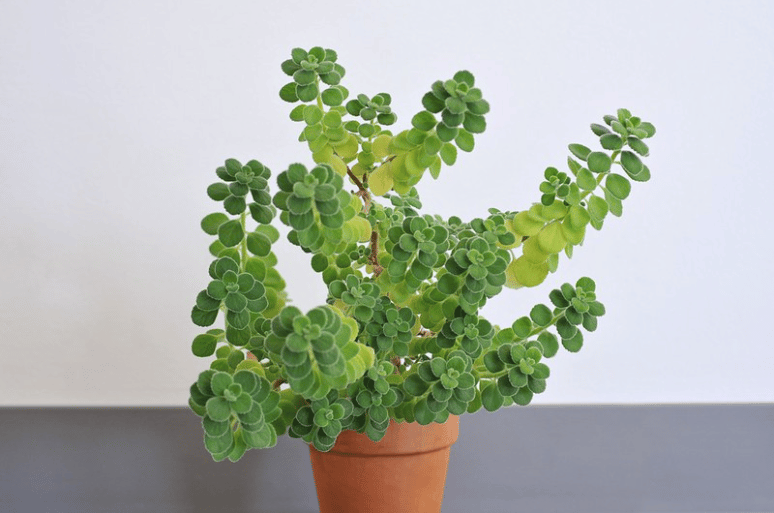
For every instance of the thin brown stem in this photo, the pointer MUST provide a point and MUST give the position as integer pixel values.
(373, 258)
(277, 383)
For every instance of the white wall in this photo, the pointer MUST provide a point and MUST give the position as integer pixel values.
(114, 116)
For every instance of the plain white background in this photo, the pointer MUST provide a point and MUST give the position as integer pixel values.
(113, 117)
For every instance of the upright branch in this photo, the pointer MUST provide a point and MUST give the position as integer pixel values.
(373, 258)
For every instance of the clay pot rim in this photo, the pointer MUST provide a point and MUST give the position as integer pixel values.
(402, 439)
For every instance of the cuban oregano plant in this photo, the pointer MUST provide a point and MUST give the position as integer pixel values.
(401, 334)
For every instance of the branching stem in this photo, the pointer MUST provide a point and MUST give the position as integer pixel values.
(373, 258)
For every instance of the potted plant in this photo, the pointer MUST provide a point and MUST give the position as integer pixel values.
(399, 348)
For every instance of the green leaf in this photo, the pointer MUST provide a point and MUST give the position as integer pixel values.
(211, 222)
(204, 345)
(522, 327)
(631, 163)
(541, 315)
(235, 302)
(288, 92)
(449, 154)
(599, 130)
(474, 123)
(599, 162)
(218, 409)
(455, 105)
(230, 233)
(465, 141)
(445, 133)
(643, 175)
(414, 385)
(618, 186)
(597, 208)
(258, 244)
(424, 121)
(297, 114)
(466, 77)
(574, 343)
(218, 191)
(423, 414)
(307, 93)
(333, 97)
(648, 128)
(312, 114)
(491, 397)
(234, 205)
(549, 342)
(638, 146)
(203, 318)
(586, 180)
(432, 145)
(611, 142)
(579, 151)
(432, 103)
(614, 204)
(332, 119)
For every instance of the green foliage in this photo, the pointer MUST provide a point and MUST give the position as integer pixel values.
(372, 396)
(389, 328)
(239, 411)
(443, 386)
(320, 422)
(401, 333)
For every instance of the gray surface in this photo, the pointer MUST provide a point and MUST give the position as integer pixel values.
(536, 459)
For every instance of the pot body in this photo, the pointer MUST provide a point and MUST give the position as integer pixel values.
(404, 472)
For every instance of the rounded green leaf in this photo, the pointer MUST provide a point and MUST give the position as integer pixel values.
(423, 414)
(218, 191)
(541, 315)
(218, 409)
(638, 146)
(597, 208)
(611, 141)
(203, 318)
(230, 233)
(598, 162)
(549, 342)
(414, 385)
(464, 141)
(491, 397)
(586, 180)
(204, 345)
(474, 123)
(332, 119)
(235, 302)
(307, 93)
(212, 222)
(424, 121)
(333, 97)
(288, 92)
(455, 105)
(258, 244)
(432, 103)
(618, 186)
(631, 163)
(579, 151)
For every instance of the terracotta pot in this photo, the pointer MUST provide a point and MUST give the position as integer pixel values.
(404, 472)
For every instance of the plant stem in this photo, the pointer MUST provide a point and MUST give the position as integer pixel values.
(373, 259)
(243, 244)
